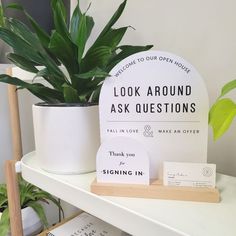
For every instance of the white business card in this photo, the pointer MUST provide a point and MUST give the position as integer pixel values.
(189, 174)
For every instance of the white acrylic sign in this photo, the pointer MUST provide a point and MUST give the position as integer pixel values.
(122, 160)
(160, 100)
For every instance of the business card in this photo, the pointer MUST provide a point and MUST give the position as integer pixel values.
(189, 174)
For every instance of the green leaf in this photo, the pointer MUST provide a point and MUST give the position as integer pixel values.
(22, 62)
(20, 46)
(16, 6)
(96, 72)
(30, 193)
(96, 58)
(126, 50)
(57, 43)
(80, 29)
(96, 93)
(129, 49)
(113, 19)
(221, 116)
(228, 87)
(90, 24)
(34, 50)
(3, 202)
(83, 34)
(39, 90)
(41, 33)
(27, 191)
(3, 196)
(54, 71)
(49, 77)
(5, 223)
(40, 212)
(74, 23)
(26, 44)
(30, 53)
(109, 38)
(42, 195)
(112, 38)
(46, 94)
(3, 190)
(14, 81)
(2, 20)
(24, 32)
(59, 16)
(60, 4)
(42, 73)
(70, 94)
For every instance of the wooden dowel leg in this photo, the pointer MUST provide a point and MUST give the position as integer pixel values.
(15, 122)
(13, 198)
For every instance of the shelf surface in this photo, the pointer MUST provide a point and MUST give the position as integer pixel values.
(139, 216)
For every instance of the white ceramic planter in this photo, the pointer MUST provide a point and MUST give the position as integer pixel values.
(30, 222)
(66, 138)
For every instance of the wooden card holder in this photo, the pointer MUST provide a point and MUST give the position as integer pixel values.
(156, 190)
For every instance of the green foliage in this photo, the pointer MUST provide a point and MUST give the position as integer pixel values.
(221, 116)
(30, 196)
(85, 70)
(223, 111)
(1, 16)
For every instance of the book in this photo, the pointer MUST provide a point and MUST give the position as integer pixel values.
(86, 225)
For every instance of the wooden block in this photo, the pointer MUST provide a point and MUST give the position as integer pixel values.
(156, 190)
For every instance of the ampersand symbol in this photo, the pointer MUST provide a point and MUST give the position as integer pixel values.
(147, 131)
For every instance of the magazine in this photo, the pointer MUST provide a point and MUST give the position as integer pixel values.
(86, 225)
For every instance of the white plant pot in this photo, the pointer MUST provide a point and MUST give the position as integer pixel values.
(66, 138)
(32, 225)
(30, 222)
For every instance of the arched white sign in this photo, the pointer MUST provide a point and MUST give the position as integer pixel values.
(122, 160)
(160, 100)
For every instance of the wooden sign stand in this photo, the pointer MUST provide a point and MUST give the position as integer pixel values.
(156, 190)
(153, 98)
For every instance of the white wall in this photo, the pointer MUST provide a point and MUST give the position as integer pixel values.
(202, 32)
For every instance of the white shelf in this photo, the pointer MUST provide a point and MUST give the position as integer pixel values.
(138, 216)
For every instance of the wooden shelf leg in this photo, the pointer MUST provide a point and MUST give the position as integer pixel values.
(13, 198)
(15, 122)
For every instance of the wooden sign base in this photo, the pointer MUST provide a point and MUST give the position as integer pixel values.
(156, 190)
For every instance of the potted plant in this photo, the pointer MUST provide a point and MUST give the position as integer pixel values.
(33, 215)
(223, 111)
(66, 124)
